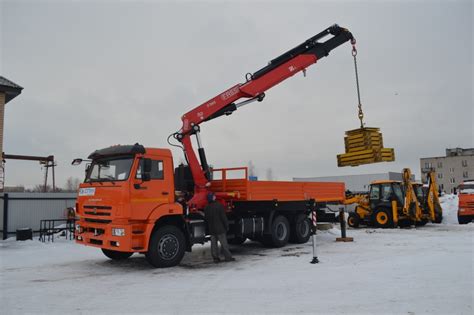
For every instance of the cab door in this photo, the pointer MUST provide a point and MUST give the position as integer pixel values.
(152, 188)
(374, 196)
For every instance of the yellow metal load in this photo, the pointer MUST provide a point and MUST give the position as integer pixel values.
(364, 146)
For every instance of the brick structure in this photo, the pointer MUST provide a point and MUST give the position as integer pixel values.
(8, 91)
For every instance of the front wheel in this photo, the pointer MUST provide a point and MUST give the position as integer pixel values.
(116, 255)
(383, 219)
(166, 248)
(353, 220)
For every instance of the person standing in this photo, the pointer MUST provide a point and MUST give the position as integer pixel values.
(218, 226)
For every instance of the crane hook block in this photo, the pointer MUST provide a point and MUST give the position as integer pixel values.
(364, 146)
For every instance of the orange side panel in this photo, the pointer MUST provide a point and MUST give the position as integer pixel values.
(281, 191)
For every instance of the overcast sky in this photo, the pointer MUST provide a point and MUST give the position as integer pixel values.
(97, 73)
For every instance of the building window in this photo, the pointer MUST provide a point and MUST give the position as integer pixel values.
(464, 163)
(440, 175)
(451, 169)
(428, 165)
(452, 180)
(465, 174)
(440, 164)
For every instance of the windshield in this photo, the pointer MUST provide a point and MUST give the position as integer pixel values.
(419, 191)
(466, 189)
(110, 169)
(398, 192)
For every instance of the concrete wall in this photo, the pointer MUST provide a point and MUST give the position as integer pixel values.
(28, 209)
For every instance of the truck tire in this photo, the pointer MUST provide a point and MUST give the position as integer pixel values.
(280, 232)
(383, 219)
(116, 255)
(353, 220)
(166, 248)
(300, 229)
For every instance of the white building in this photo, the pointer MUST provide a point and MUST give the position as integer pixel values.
(354, 183)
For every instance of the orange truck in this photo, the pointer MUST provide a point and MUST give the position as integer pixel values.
(466, 202)
(133, 199)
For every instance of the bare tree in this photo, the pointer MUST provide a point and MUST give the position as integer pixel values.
(41, 188)
(72, 184)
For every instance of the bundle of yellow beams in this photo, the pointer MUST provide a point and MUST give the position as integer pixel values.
(364, 146)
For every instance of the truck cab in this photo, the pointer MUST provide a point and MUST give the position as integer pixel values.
(466, 202)
(126, 193)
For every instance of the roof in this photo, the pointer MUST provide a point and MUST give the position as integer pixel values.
(118, 150)
(384, 181)
(11, 89)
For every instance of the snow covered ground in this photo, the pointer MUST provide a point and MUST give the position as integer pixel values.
(409, 271)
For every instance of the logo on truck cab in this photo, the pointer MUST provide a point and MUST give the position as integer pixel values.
(90, 191)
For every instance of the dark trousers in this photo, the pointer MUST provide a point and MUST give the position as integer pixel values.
(222, 238)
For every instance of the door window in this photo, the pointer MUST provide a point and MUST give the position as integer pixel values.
(398, 192)
(375, 192)
(156, 170)
(386, 192)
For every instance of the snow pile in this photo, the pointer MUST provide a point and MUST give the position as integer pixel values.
(449, 203)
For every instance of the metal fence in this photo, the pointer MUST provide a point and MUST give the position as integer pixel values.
(26, 210)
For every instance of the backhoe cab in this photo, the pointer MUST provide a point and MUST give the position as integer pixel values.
(382, 207)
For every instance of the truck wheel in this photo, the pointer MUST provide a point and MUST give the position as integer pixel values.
(353, 220)
(166, 248)
(383, 219)
(280, 231)
(237, 240)
(300, 230)
(116, 255)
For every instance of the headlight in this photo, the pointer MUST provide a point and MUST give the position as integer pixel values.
(118, 232)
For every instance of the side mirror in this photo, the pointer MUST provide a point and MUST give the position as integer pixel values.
(76, 161)
(146, 169)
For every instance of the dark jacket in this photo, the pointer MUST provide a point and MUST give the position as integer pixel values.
(216, 218)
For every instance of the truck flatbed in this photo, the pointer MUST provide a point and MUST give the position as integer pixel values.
(234, 181)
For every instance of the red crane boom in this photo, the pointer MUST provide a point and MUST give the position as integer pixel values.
(278, 70)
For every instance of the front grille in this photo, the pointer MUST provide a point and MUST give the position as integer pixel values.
(97, 210)
(97, 213)
(97, 221)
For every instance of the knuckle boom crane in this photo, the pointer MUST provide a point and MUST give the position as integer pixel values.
(278, 70)
(133, 200)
